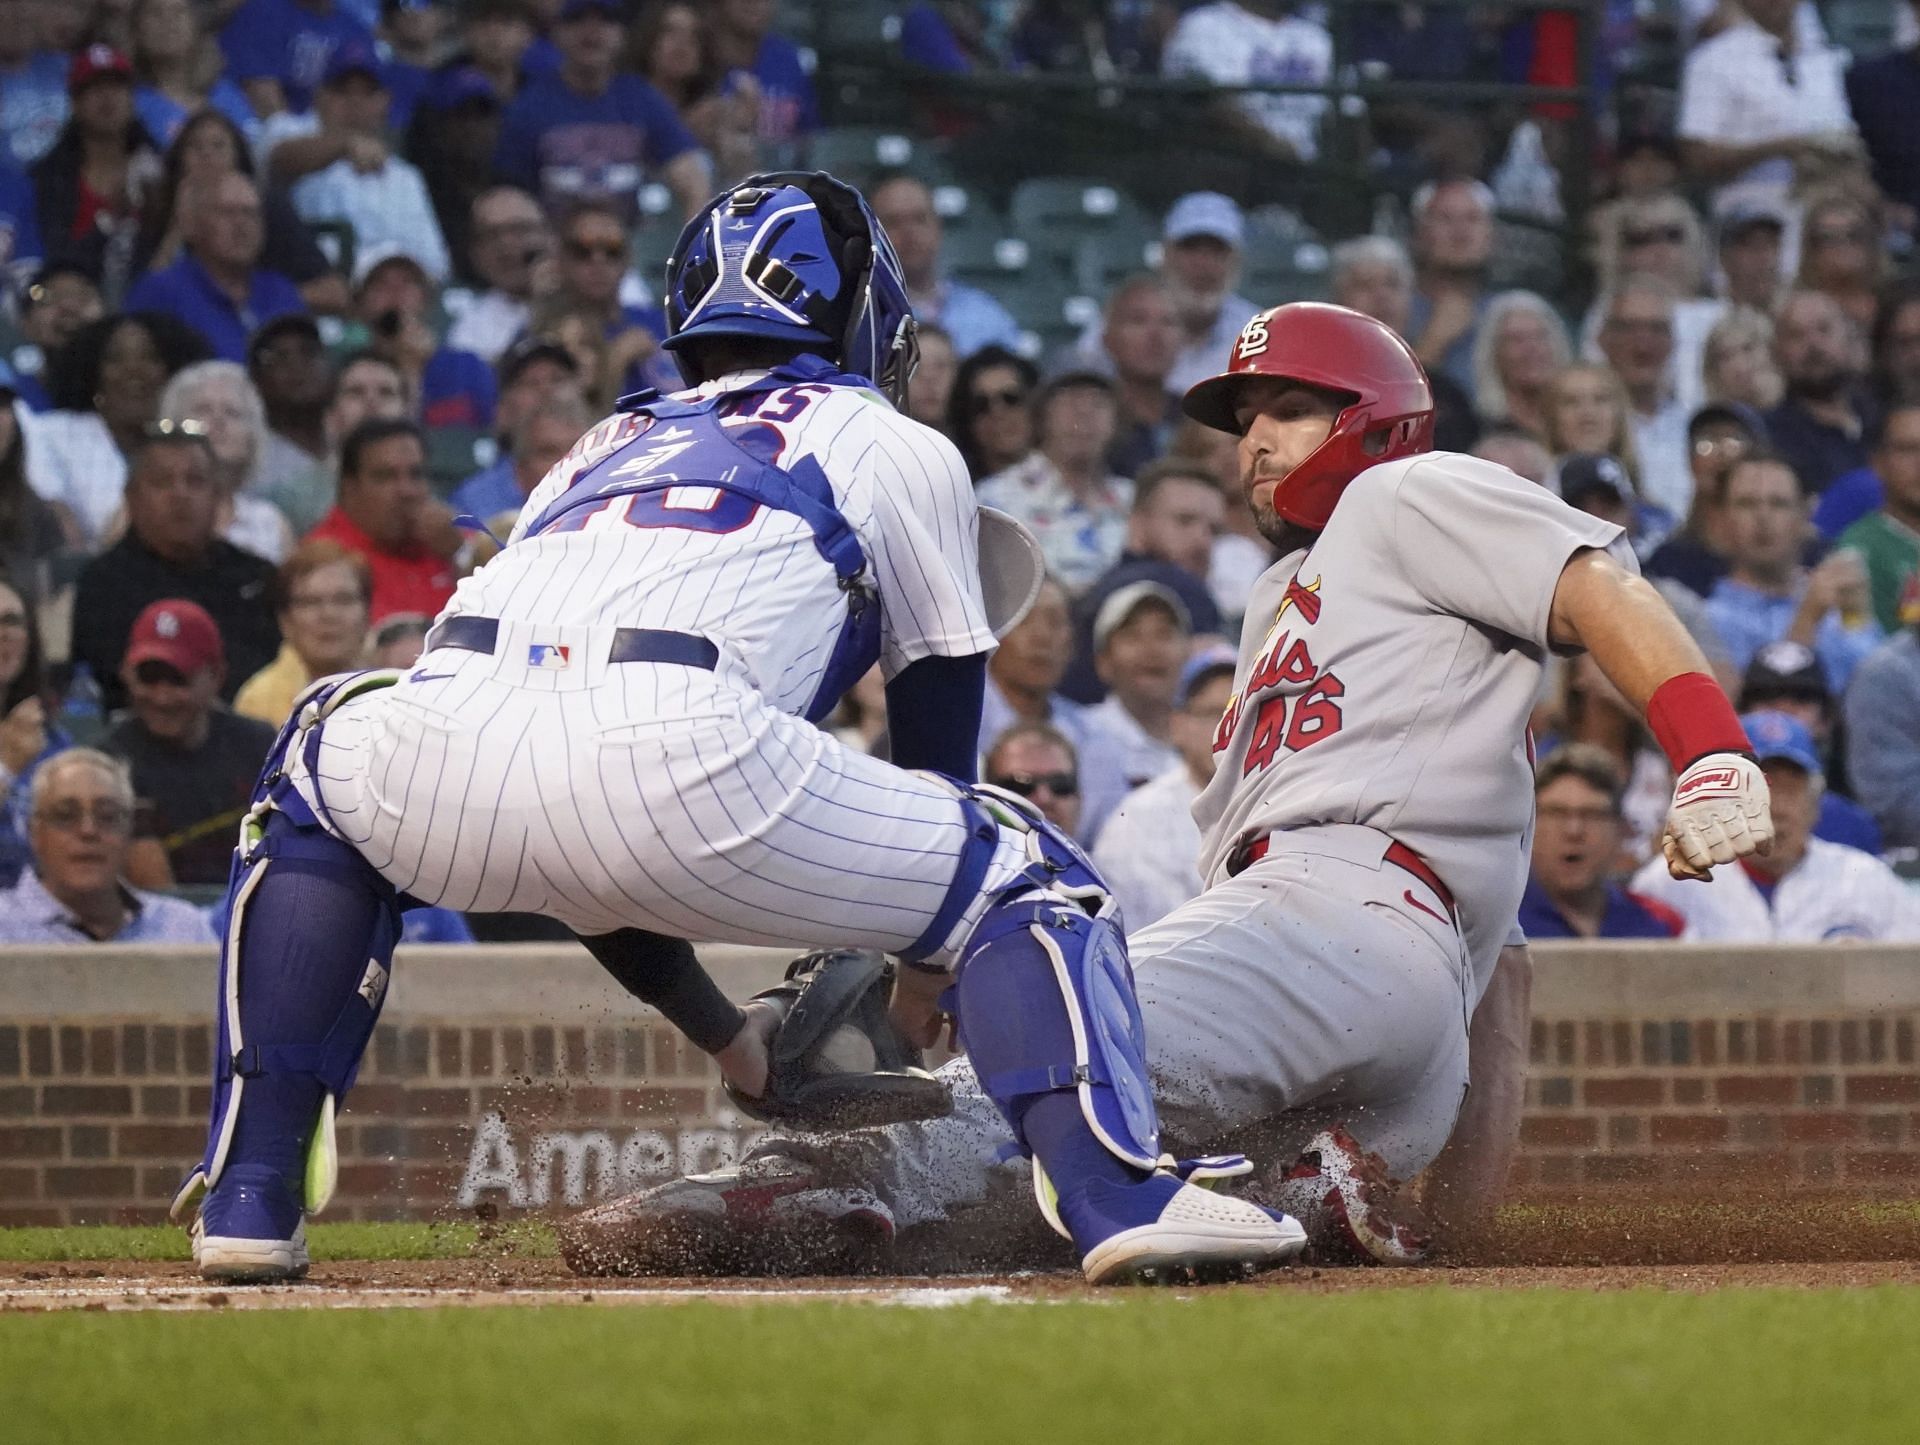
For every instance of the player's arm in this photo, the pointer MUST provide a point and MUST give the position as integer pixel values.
(933, 715)
(1720, 807)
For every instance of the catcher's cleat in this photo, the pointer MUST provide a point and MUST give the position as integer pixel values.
(1344, 1197)
(1163, 1230)
(250, 1229)
(768, 1216)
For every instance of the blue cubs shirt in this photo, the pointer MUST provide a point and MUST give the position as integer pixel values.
(788, 108)
(186, 291)
(563, 145)
(1628, 915)
(285, 41)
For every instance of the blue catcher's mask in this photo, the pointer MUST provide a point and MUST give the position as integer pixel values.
(796, 257)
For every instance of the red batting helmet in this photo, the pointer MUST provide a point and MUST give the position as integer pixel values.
(1389, 413)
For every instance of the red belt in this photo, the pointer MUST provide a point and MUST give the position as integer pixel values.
(1398, 854)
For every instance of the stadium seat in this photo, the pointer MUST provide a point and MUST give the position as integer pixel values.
(455, 453)
(856, 153)
(1101, 262)
(337, 243)
(1057, 213)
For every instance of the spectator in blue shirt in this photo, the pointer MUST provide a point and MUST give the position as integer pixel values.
(170, 75)
(945, 36)
(1768, 595)
(539, 442)
(1578, 836)
(497, 39)
(217, 286)
(745, 43)
(596, 247)
(1821, 424)
(966, 313)
(410, 32)
(1786, 678)
(532, 372)
(392, 296)
(589, 130)
(278, 49)
(33, 94)
(80, 830)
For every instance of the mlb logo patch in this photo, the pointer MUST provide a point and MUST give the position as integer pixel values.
(552, 658)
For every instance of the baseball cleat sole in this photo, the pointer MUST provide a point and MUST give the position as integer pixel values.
(250, 1261)
(1194, 1252)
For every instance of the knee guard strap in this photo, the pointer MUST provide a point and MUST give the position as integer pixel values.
(976, 856)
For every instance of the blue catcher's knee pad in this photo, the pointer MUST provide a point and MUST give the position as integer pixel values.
(304, 966)
(1045, 1001)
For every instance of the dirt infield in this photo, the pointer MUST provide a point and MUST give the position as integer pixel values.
(1667, 1246)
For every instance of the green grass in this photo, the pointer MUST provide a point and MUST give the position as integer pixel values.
(327, 1242)
(1435, 1366)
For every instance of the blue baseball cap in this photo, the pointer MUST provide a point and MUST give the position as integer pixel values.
(1205, 213)
(1779, 737)
(1205, 664)
(461, 85)
(352, 57)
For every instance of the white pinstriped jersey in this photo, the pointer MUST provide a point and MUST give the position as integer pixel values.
(1386, 675)
(750, 578)
(1834, 892)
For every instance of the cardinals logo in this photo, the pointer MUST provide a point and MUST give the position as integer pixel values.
(1303, 596)
(1253, 337)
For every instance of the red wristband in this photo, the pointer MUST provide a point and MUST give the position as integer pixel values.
(1691, 717)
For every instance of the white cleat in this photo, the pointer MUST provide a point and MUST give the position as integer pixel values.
(234, 1260)
(1190, 1234)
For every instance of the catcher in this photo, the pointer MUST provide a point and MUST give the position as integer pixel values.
(1363, 836)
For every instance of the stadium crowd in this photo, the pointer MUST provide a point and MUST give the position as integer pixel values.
(304, 296)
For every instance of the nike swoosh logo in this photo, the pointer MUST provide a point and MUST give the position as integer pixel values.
(427, 676)
(1408, 895)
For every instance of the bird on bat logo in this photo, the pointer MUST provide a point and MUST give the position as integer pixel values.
(1305, 597)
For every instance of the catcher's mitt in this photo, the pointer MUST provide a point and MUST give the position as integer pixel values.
(835, 1060)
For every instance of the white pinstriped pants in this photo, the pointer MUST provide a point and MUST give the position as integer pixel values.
(645, 795)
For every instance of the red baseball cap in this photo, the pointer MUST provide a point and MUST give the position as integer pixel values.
(178, 633)
(94, 62)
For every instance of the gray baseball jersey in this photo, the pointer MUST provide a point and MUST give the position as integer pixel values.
(1386, 675)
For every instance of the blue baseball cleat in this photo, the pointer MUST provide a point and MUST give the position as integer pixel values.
(1164, 1230)
(251, 1229)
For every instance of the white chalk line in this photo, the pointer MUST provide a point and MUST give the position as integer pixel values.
(201, 1297)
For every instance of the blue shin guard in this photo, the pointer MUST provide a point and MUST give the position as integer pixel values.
(304, 967)
(1045, 999)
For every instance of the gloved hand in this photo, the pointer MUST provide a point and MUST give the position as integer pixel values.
(1721, 811)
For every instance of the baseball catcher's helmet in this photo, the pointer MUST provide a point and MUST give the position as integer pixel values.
(1389, 412)
(795, 256)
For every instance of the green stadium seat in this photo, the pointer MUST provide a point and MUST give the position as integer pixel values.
(1057, 213)
(337, 243)
(857, 153)
(455, 453)
(1102, 262)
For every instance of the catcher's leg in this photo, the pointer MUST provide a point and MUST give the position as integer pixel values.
(1044, 997)
(303, 974)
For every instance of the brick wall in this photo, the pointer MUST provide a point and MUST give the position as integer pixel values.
(518, 1077)
(1680, 1104)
